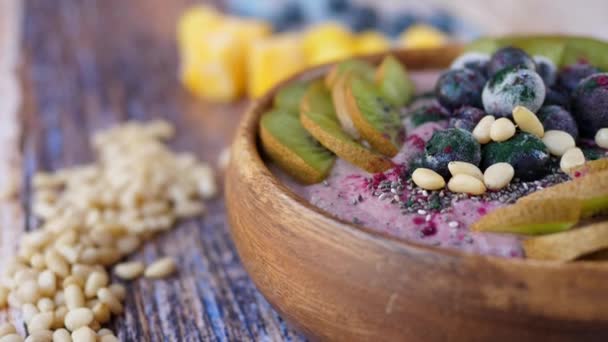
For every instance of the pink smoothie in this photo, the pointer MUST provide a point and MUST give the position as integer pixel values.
(348, 193)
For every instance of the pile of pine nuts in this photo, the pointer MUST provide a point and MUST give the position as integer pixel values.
(91, 217)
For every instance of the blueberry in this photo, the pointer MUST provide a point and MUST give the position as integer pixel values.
(557, 97)
(362, 18)
(460, 87)
(428, 113)
(590, 104)
(546, 69)
(525, 152)
(472, 60)
(569, 77)
(452, 144)
(400, 23)
(466, 118)
(513, 87)
(338, 6)
(291, 15)
(443, 21)
(509, 57)
(557, 118)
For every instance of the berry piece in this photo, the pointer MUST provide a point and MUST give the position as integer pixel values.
(460, 87)
(525, 152)
(590, 104)
(362, 18)
(513, 87)
(557, 97)
(569, 77)
(428, 113)
(472, 60)
(546, 69)
(449, 145)
(509, 57)
(557, 118)
(466, 118)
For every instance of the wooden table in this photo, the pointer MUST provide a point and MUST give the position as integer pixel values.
(90, 64)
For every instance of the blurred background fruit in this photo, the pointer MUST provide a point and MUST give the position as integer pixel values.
(248, 46)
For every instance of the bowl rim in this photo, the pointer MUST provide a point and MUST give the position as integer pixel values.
(248, 133)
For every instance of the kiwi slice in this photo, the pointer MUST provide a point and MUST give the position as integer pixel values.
(394, 82)
(319, 119)
(591, 190)
(353, 65)
(375, 118)
(570, 245)
(289, 97)
(562, 49)
(338, 95)
(293, 149)
(543, 216)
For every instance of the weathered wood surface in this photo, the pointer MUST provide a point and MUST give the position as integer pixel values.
(91, 64)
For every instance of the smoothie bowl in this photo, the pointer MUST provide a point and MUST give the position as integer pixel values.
(426, 188)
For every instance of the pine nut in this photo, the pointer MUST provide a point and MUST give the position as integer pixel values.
(73, 279)
(62, 335)
(502, 130)
(59, 298)
(28, 291)
(45, 305)
(56, 263)
(129, 270)
(107, 297)
(84, 334)
(78, 318)
(47, 282)
(3, 297)
(527, 121)
(572, 158)
(28, 311)
(40, 321)
(601, 138)
(101, 312)
(462, 183)
(481, 132)
(11, 338)
(498, 175)
(128, 244)
(160, 268)
(109, 338)
(427, 179)
(74, 298)
(95, 281)
(40, 336)
(119, 291)
(558, 142)
(60, 314)
(7, 328)
(459, 167)
(104, 332)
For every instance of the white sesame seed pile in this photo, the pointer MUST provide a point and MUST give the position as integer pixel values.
(91, 217)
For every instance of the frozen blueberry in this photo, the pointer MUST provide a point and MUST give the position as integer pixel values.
(557, 97)
(452, 144)
(557, 118)
(400, 23)
(442, 20)
(472, 60)
(525, 152)
(466, 118)
(513, 87)
(428, 113)
(338, 6)
(362, 18)
(569, 77)
(590, 104)
(546, 69)
(290, 16)
(509, 57)
(460, 87)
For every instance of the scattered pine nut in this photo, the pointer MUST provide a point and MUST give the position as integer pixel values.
(84, 334)
(572, 158)
(462, 183)
(427, 179)
(161, 268)
(558, 142)
(77, 318)
(129, 270)
(498, 175)
(601, 138)
(460, 167)
(502, 130)
(40, 321)
(481, 132)
(527, 121)
(62, 335)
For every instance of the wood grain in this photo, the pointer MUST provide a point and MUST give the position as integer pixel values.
(91, 64)
(338, 281)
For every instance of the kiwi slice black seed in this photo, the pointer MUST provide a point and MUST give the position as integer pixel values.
(394, 82)
(293, 149)
(318, 117)
(376, 119)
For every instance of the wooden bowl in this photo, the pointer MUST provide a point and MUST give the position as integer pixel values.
(338, 281)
